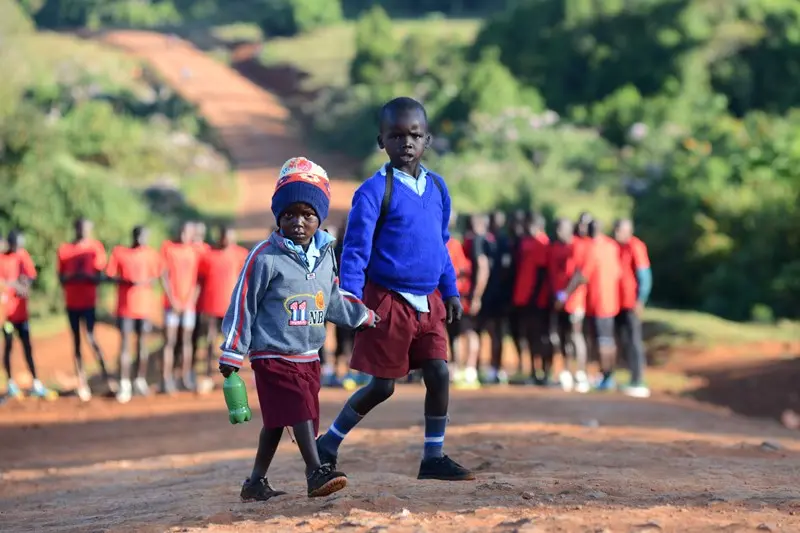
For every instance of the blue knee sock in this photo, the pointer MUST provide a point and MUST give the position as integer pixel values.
(434, 436)
(346, 421)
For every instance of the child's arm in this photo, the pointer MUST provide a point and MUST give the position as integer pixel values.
(347, 311)
(357, 243)
(242, 311)
(447, 281)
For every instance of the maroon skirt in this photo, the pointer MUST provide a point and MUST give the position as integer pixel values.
(288, 393)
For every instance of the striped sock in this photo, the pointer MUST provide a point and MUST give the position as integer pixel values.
(336, 433)
(434, 436)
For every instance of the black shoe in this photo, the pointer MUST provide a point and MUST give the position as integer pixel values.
(443, 468)
(326, 457)
(258, 490)
(325, 481)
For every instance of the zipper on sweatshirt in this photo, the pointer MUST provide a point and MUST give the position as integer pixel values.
(310, 273)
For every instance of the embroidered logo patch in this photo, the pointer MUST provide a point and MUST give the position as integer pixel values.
(298, 313)
(301, 309)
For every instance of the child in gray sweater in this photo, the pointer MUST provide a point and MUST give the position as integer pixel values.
(286, 291)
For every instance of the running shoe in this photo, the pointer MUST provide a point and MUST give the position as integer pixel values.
(125, 391)
(258, 490)
(566, 380)
(324, 481)
(582, 384)
(141, 387)
(444, 469)
(606, 384)
(636, 390)
(13, 390)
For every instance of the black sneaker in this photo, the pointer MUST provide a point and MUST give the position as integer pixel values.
(258, 490)
(444, 469)
(325, 481)
(325, 457)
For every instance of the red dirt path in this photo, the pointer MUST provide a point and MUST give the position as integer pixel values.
(546, 461)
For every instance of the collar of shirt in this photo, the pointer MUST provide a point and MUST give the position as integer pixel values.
(415, 184)
(309, 256)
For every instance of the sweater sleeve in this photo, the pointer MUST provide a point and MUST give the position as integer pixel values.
(346, 310)
(447, 280)
(242, 312)
(357, 243)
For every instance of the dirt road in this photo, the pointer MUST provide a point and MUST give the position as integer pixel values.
(545, 462)
(251, 123)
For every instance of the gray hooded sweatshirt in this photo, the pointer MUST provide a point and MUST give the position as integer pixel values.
(279, 306)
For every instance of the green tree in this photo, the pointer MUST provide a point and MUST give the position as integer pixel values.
(376, 47)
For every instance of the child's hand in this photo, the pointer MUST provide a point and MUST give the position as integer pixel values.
(454, 309)
(227, 370)
(371, 321)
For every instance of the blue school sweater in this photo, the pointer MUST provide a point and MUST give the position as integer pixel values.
(410, 252)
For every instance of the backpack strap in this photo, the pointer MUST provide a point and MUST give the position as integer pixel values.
(387, 199)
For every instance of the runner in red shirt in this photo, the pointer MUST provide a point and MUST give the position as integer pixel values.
(201, 327)
(568, 268)
(136, 270)
(218, 272)
(179, 279)
(80, 268)
(602, 302)
(635, 285)
(532, 295)
(464, 327)
(17, 273)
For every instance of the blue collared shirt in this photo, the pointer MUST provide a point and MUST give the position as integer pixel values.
(311, 255)
(418, 302)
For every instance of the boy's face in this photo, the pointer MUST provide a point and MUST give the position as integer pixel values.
(564, 231)
(186, 234)
(404, 136)
(299, 223)
(140, 238)
(227, 237)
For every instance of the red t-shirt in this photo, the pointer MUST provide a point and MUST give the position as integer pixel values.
(140, 265)
(12, 266)
(219, 270)
(532, 256)
(562, 262)
(181, 262)
(632, 257)
(87, 257)
(462, 265)
(602, 296)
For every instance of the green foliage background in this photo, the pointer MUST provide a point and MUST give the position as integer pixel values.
(680, 113)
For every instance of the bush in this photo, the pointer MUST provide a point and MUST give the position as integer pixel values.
(285, 18)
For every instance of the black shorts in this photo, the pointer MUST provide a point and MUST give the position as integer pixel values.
(601, 330)
(137, 325)
(459, 327)
(76, 316)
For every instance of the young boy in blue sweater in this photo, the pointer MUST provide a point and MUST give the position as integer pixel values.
(395, 254)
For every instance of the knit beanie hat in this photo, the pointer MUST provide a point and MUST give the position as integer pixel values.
(302, 180)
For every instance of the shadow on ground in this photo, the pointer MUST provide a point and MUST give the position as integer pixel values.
(762, 389)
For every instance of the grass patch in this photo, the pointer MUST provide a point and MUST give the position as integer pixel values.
(239, 32)
(325, 54)
(673, 329)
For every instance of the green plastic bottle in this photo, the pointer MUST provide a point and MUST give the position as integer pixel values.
(236, 398)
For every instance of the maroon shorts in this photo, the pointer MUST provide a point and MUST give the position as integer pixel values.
(288, 393)
(403, 339)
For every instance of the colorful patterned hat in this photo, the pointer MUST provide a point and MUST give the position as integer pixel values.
(302, 180)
